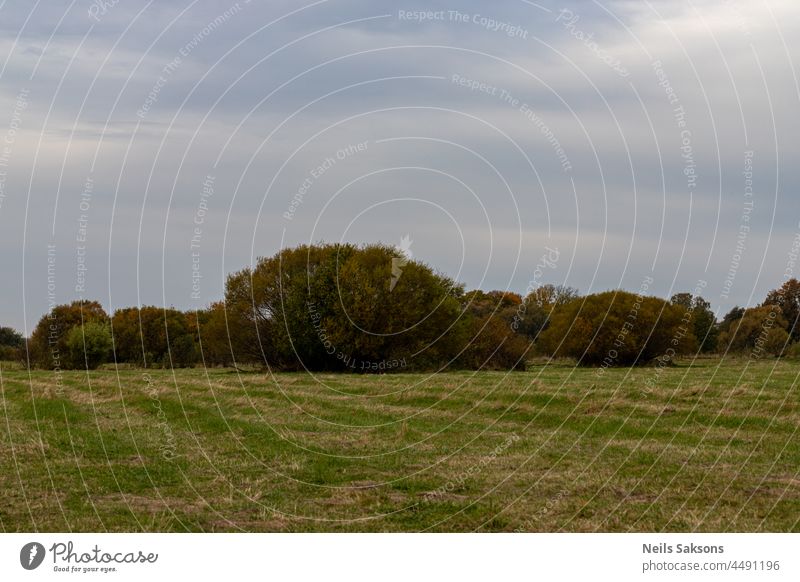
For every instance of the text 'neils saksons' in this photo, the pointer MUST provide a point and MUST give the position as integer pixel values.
(663, 548)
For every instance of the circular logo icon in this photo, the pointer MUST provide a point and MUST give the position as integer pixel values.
(31, 555)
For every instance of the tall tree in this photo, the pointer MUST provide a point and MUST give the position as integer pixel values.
(703, 320)
(735, 314)
(787, 297)
(550, 295)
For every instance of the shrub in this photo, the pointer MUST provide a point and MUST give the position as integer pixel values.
(88, 345)
(618, 328)
(153, 336)
(10, 338)
(342, 307)
(760, 330)
(793, 351)
(776, 341)
(494, 346)
(48, 343)
(213, 341)
(11, 343)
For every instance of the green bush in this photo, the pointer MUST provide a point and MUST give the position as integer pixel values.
(343, 307)
(48, 342)
(88, 345)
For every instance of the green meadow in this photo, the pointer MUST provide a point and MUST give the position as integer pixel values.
(706, 445)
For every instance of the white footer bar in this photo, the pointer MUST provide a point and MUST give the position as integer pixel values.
(389, 557)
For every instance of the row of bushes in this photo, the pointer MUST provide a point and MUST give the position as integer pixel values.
(371, 309)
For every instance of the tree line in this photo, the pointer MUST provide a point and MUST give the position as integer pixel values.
(342, 307)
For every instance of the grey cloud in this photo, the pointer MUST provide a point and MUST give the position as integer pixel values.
(710, 53)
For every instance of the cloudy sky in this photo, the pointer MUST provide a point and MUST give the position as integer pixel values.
(147, 149)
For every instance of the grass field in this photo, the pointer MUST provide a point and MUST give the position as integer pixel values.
(709, 447)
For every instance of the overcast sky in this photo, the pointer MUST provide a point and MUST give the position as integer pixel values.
(147, 149)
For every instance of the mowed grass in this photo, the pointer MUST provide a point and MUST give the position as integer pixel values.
(708, 445)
